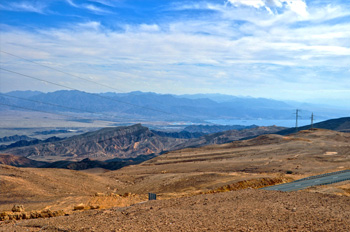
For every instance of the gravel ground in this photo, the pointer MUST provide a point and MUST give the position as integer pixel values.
(245, 210)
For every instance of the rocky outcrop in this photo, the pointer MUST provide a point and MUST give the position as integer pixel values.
(19, 161)
(18, 208)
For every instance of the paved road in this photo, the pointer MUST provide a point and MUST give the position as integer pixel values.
(324, 179)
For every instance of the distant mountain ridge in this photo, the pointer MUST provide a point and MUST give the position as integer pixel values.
(152, 106)
(27, 142)
(14, 138)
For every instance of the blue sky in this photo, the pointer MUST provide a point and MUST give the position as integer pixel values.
(281, 49)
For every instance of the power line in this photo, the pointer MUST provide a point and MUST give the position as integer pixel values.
(94, 82)
(61, 71)
(94, 94)
(43, 111)
(76, 76)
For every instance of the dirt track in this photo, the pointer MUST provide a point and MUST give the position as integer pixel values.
(246, 210)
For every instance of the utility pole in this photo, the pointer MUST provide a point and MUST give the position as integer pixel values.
(296, 119)
(312, 120)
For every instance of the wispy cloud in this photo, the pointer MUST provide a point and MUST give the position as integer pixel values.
(25, 6)
(106, 2)
(95, 9)
(72, 3)
(92, 8)
(297, 6)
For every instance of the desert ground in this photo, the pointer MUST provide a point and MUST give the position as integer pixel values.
(191, 187)
(245, 210)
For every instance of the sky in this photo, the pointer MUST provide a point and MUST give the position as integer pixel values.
(281, 49)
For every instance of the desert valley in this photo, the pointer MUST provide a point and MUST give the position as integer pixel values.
(210, 182)
(176, 115)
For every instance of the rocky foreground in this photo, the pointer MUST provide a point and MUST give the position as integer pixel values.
(245, 210)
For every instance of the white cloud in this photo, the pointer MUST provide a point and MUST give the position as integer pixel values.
(297, 6)
(37, 7)
(149, 28)
(90, 25)
(90, 7)
(253, 3)
(95, 9)
(70, 2)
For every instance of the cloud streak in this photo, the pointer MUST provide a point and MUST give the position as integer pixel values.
(25, 6)
(297, 6)
(91, 7)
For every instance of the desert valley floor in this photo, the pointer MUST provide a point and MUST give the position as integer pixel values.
(212, 188)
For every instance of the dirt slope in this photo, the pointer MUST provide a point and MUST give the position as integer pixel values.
(199, 169)
(247, 210)
(38, 188)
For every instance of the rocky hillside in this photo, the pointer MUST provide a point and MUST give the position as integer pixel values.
(338, 124)
(19, 161)
(107, 143)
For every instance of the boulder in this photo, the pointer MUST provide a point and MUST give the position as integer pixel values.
(18, 208)
(79, 207)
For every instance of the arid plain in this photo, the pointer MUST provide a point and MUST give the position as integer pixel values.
(185, 177)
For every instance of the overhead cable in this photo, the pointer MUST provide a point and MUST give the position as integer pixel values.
(94, 94)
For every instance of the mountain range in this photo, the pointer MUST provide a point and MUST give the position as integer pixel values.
(166, 107)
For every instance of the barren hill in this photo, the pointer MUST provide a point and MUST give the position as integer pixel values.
(338, 124)
(19, 161)
(202, 169)
(38, 188)
(230, 135)
(107, 143)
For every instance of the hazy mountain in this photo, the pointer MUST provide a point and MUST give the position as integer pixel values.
(24, 94)
(27, 142)
(14, 138)
(152, 106)
(212, 96)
